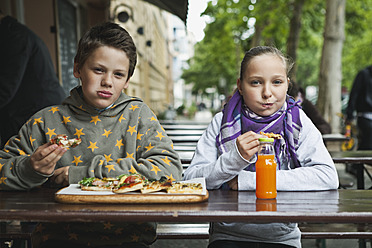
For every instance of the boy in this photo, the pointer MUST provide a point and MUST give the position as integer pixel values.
(119, 135)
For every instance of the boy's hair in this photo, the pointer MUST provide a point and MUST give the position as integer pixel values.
(260, 50)
(106, 34)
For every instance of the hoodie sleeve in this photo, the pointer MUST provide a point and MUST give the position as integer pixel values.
(16, 172)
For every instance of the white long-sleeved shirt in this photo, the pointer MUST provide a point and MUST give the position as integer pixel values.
(317, 172)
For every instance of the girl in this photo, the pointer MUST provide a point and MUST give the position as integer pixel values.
(226, 152)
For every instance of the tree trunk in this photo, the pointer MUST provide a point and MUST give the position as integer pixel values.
(294, 35)
(330, 73)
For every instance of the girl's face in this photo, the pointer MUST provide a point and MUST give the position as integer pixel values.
(103, 76)
(264, 85)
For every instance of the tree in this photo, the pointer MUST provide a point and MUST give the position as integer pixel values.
(294, 34)
(330, 74)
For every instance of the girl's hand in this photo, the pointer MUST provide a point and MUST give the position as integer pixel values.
(248, 144)
(60, 176)
(45, 158)
(233, 183)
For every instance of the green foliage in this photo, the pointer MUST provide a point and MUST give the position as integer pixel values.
(231, 32)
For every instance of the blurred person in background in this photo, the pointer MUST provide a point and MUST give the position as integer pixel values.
(309, 108)
(28, 80)
(360, 101)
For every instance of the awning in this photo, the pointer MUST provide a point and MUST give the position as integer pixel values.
(176, 7)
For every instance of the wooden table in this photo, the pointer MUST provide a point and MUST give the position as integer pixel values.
(336, 206)
(359, 159)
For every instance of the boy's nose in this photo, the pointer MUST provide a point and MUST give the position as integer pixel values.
(106, 80)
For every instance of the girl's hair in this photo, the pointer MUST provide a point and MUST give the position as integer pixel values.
(106, 34)
(261, 50)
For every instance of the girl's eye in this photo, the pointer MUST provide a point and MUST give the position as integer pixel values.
(277, 82)
(255, 82)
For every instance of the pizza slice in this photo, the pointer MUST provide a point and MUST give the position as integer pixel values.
(272, 135)
(97, 184)
(62, 140)
(129, 183)
(156, 185)
(185, 188)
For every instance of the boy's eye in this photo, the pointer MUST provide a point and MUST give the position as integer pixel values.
(118, 74)
(99, 70)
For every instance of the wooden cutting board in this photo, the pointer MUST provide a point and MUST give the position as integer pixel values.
(130, 198)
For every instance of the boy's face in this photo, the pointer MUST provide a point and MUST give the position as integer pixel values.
(103, 76)
(265, 84)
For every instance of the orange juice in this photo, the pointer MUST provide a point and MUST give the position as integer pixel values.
(266, 176)
(266, 205)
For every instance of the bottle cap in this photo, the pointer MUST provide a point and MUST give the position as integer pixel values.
(265, 139)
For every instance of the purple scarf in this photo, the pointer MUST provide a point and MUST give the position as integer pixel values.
(238, 119)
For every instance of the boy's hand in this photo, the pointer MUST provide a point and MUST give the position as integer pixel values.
(45, 158)
(60, 176)
(248, 144)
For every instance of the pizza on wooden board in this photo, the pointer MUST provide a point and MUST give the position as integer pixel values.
(136, 182)
(156, 185)
(130, 183)
(272, 135)
(96, 184)
(62, 140)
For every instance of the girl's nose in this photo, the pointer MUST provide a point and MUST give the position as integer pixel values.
(266, 92)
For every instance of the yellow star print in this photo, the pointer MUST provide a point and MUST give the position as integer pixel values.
(101, 162)
(72, 236)
(32, 140)
(118, 160)
(131, 130)
(107, 225)
(139, 136)
(93, 146)
(121, 118)
(81, 107)
(108, 157)
(119, 231)
(1, 166)
(76, 160)
(135, 238)
(160, 135)
(155, 169)
(2, 180)
(37, 121)
(53, 109)
(95, 119)
(106, 133)
(119, 143)
(79, 132)
(171, 178)
(138, 147)
(110, 167)
(166, 160)
(39, 228)
(133, 107)
(149, 147)
(130, 155)
(152, 118)
(132, 170)
(21, 152)
(50, 132)
(66, 119)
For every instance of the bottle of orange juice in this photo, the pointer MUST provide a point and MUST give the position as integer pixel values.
(266, 170)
